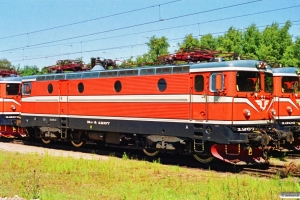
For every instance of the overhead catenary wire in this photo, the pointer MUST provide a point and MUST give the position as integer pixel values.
(136, 25)
(233, 17)
(112, 48)
(137, 33)
(152, 31)
(89, 20)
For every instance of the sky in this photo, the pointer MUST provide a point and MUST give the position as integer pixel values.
(41, 32)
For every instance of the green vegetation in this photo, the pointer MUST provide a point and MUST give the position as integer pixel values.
(274, 44)
(49, 177)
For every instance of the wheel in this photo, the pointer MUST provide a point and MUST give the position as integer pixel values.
(46, 141)
(77, 143)
(204, 159)
(150, 152)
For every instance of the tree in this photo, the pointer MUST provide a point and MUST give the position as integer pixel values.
(276, 41)
(208, 42)
(157, 47)
(44, 70)
(143, 60)
(284, 38)
(296, 49)
(251, 42)
(189, 43)
(29, 70)
(128, 63)
(5, 64)
(231, 41)
(288, 58)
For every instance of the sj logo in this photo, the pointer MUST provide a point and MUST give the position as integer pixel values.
(262, 103)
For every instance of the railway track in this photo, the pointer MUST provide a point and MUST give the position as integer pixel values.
(272, 171)
(293, 155)
(268, 171)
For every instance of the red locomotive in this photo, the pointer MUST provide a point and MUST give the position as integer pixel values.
(10, 108)
(213, 109)
(286, 102)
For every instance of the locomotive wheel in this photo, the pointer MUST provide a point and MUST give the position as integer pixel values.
(46, 141)
(77, 143)
(150, 152)
(204, 159)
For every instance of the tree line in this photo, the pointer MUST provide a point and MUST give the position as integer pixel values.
(273, 44)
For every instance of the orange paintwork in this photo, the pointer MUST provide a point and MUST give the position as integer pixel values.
(177, 84)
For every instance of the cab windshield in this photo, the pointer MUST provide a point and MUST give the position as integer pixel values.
(247, 81)
(289, 84)
(12, 89)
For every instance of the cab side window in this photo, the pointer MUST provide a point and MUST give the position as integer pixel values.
(26, 89)
(216, 82)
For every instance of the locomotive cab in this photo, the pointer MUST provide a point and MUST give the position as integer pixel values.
(232, 106)
(10, 107)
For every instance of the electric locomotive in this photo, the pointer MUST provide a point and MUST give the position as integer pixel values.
(286, 102)
(10, 108)
(209, 110)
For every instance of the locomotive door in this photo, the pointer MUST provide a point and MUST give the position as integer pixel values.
(63, 97)
(198, 110)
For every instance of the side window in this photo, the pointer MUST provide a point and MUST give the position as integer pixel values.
(26, 88)
(50, 88)
(216, 82)
(118, 86)
(162, 85)
(199, 83)
(80, 87)
(12, 89)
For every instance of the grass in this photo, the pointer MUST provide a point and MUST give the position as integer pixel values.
(48, 177)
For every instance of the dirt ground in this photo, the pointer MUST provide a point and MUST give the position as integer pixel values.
(284, 161)
(40, 150)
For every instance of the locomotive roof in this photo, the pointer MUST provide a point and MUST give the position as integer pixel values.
(11, 80)
(285, 71)
(240, 65)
